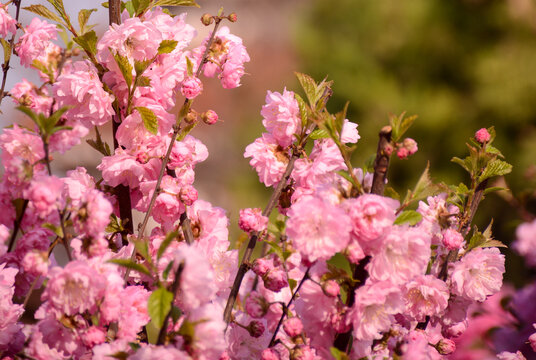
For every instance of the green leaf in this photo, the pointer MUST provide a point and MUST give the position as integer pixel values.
(494, 189)
(165, 244)
(121, 355)
(130, 8)
(189, 67)
(424, 187)
(143, 81)
(58, 5)
(411, 217)
(463, 163)
(166, 271)
(141, 66)
(152, 332)
(340, 261)
(83, 17)
(143, 5)
(175, 314)
(56, 229)
(43, 11)
(88, 42)
(292, 284)
(130, 264)
(159, 305)
(143, 249)
(278, 250)
(167, 46)
(99, 145)
(124, 67)
(29, 112)
(176, 3)
(493, 150)
(149, 119)
(309, 87)
(304, 113)
(495, 167)
(7, 50)
(390, 192)
(319, 134)
(338, 354)
(105, 5)
(114, 225)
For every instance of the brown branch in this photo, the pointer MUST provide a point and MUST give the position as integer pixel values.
(244, 267)
(305, 277)
(381, 164)
(114, 11)
(16, 226)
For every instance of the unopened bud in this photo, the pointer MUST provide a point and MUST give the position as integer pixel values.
(188, 195)
(482, 136)
(445, 346)
(331, 288)
(232, 17)
(207, 19)
(255, 328)
(293, 327)
(209, 117)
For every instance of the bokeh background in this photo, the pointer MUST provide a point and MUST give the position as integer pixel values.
(459, 65)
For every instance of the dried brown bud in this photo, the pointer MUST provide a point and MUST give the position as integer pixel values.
(207, 19)
(232, 17)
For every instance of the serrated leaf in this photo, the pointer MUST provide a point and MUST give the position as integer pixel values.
(492, 243)
(132, 265)
(493, 150)
(461, 162)
(309, 87)
(319, 134)
(141, 66)
(494, 189)
(495, 167)
(159, 305)
(424, 187)
(410, 217)
(124, 66)
(143, 81)
(167, 46)
(58, 5)
(43, 11)
(88, 42)
(56, 229)
(83, 17)
(149, 119)
(165, 244)
(7, 50)
(176, 3)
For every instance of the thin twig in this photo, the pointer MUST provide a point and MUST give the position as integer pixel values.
(286, 307)
(381, 164)
(17, 225)
(5, 67)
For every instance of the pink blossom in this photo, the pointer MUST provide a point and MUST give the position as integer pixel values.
(478, 274)
(525, 243)
(252, 220)
(158, 352)
(256, 305)
(133, 312)
(187, 153)
(275, 279)
(209, 328)
(191, 87)
(317, 228)
(121, 168)
(482, 136)
(410, 145)
(210, 227)
(425, 295)
(372, 216)
(94, 336)
(26, 94)
(35, 41)
(188, 195)
(349, 133)
(402, 153)
(74, 289)
(374, 309)
(262, 265)
(9, 312)
(240, 344)
(94, 214)
(77, 183)
(197, 279)
(293, 326)
(532, 340)
(7, 23)
(281, 116)
(35, 263)
(133, 39)
(44, 194)
(172, 28)
(505, 355)
(81, 89)
(403, 254)
(268, 159)
(452, 239)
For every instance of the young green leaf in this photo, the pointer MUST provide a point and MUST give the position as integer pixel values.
(43, 11)
(319, 134)
(141, 66)
(7, 50)
(495, 167)
(189, 67)
(129, 264)
(167, 241)
(309, 87)
(176, 3)
(143, 81)
(167, 46)
(83, 17)
(338, 354)
(159, 305)
(88, 42)
(149, 119)
(411, 217)
(124, 67)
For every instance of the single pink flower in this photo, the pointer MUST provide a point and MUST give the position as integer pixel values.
(191, 87)
(482, 136)
(281, 116)
(252, 220)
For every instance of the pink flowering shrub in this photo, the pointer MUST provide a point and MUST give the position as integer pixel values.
(341, 270)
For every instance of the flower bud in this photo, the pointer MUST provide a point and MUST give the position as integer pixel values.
(207, 19)
(191, 87)
(293, 326)
(275, 280)
(256, 305)
(410, 145)
(191, 117)
(402, 153)
(446, 346)
(331, 288)
(255, 328)
(188, 195)
(252, 220)
(482, 136)
(452, 239)
(209, 117)
(262, 265)
(232, 17)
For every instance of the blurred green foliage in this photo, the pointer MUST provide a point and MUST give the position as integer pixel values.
(460, 65)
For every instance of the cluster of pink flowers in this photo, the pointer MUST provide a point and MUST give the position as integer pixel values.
(339, 265)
